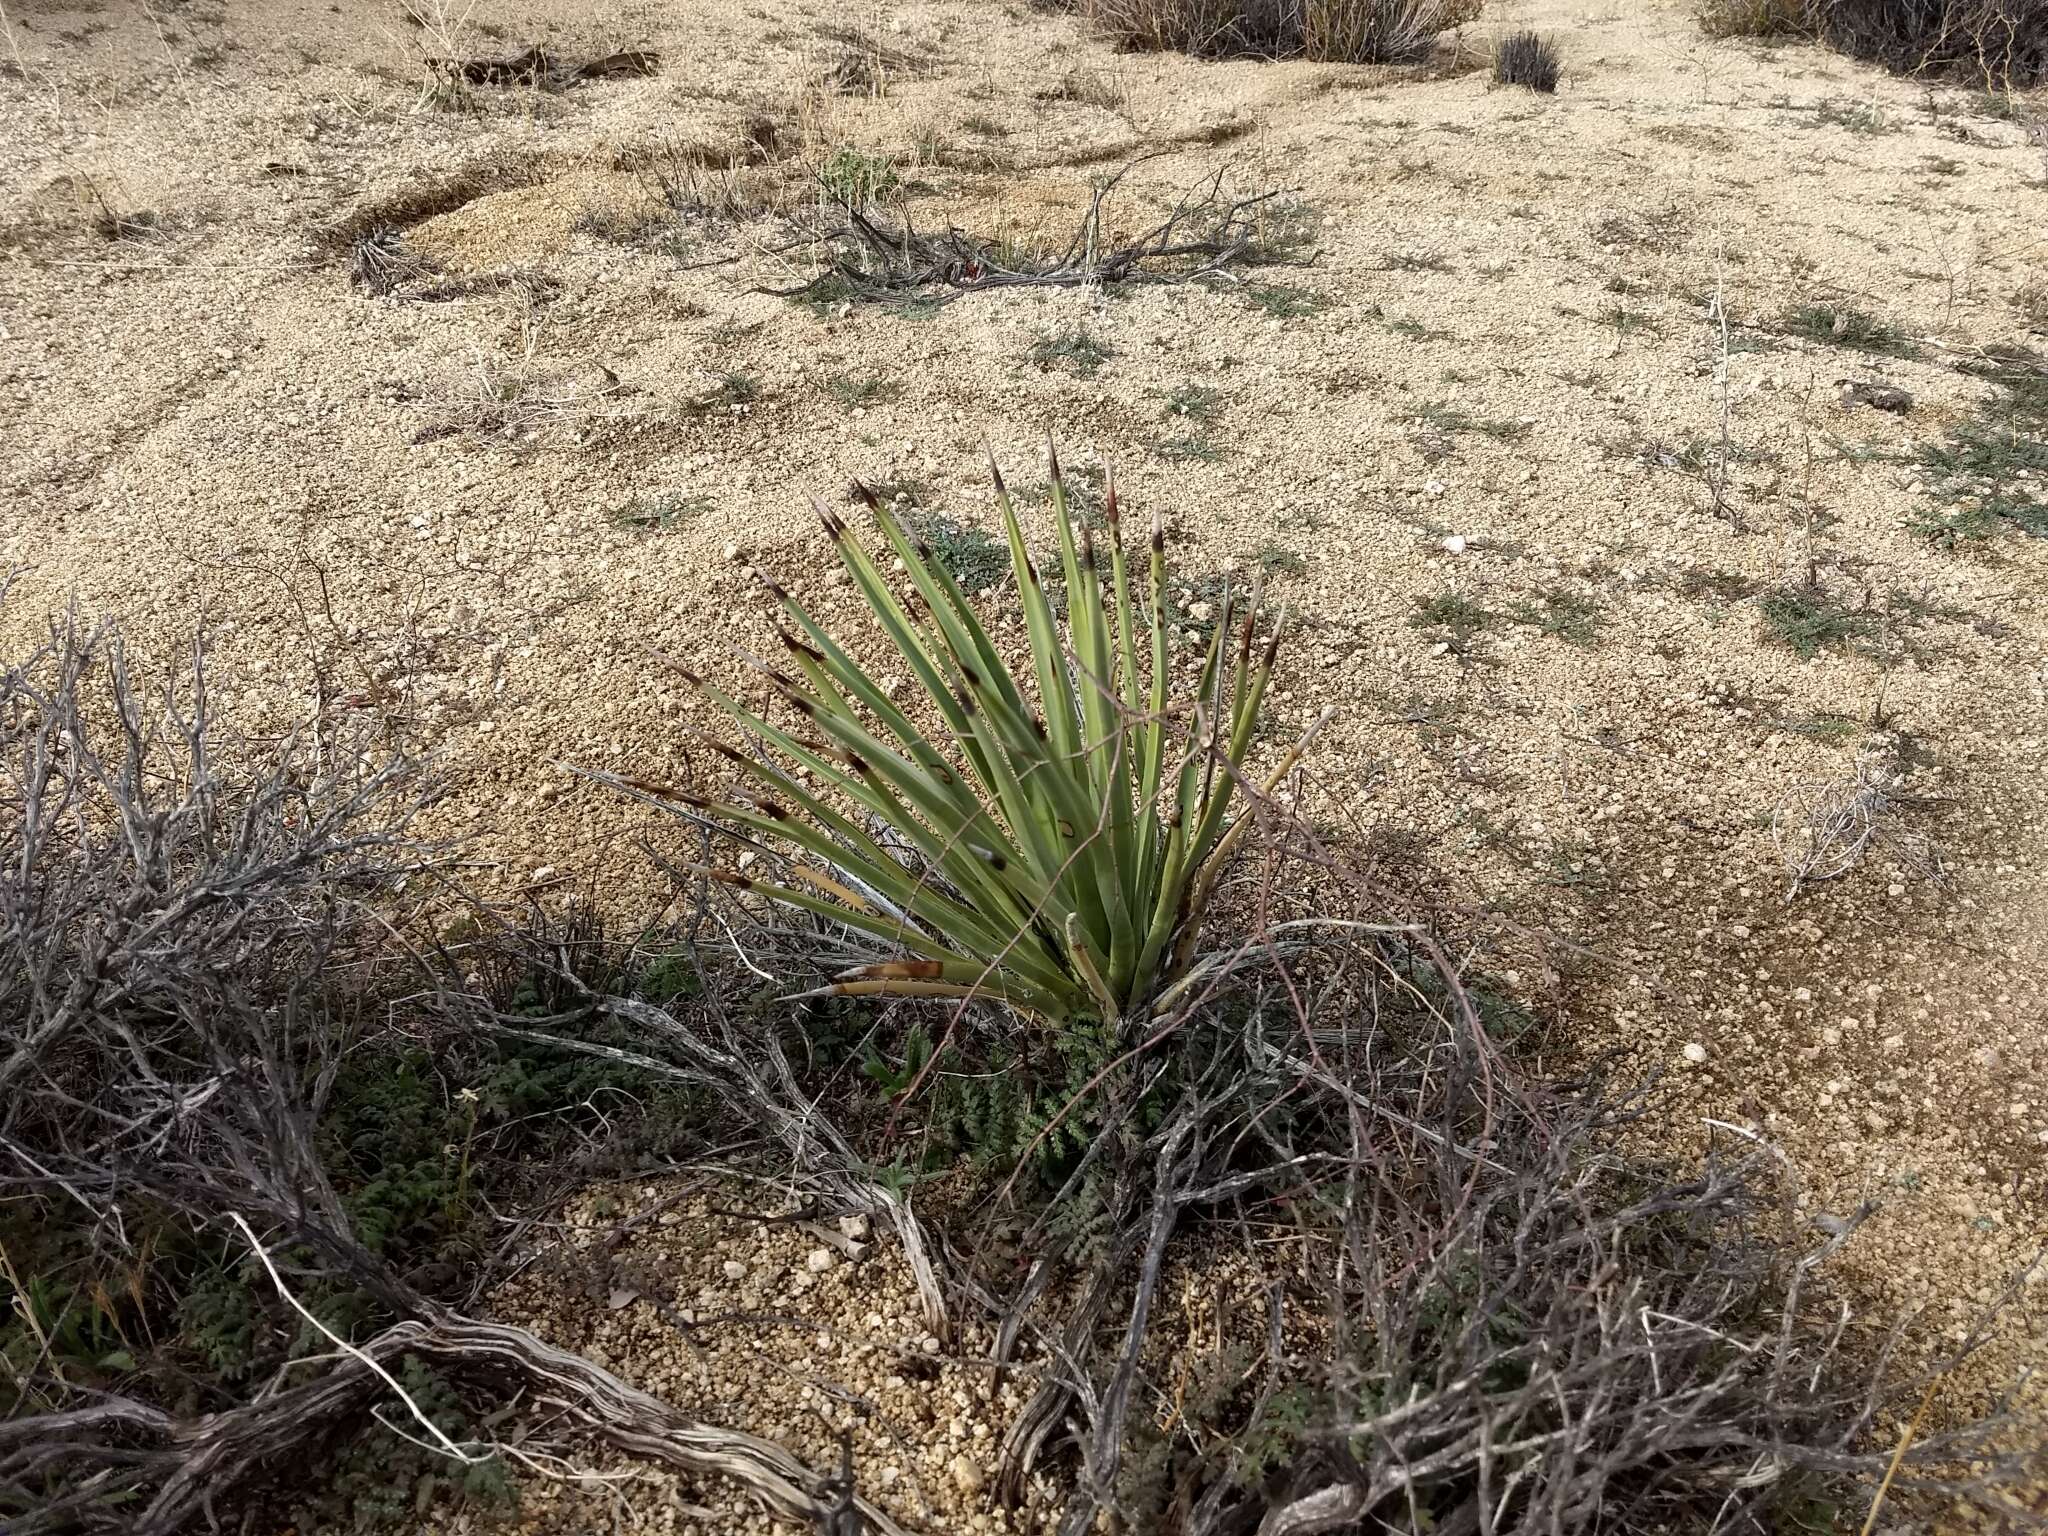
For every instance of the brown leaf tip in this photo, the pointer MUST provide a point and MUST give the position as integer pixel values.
(799, 646)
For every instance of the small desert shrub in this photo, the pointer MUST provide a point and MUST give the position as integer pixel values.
(1999, 43)
(1076, 351)
(1842, 326)
(1066, 873)
(1526, 58)
(1341, 31)
(1807, 621)
(1989, 467)
(1755, 18)
(857, 179)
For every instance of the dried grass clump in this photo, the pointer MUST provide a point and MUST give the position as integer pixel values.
(1335, 31)
(1527, 59)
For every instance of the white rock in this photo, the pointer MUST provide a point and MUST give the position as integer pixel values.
(1455, 544)
(1695, 1052)
(819, 1260)
(735, 1270)
(1434, 487)
(967, 1474)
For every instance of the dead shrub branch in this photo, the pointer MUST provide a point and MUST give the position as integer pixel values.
(865, 259)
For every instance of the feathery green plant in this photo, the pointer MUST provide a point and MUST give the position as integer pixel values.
(1065, 851)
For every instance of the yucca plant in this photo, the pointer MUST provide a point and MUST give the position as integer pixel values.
(1056, 856)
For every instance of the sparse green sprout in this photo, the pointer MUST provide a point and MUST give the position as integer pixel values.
(851, 391)
(1807, 621)
(1051, 843)
(1992, 465)
(1454, 618)
(1278, 560)
(1445, 417)
(732, 389)
(855, 179)
(1844, 327)
(1283, 302)
(1415, 330)
(1193, 402)
(1192, 449)
(1075, 351)
(657, 514)
(970, 555)
(1567, 615)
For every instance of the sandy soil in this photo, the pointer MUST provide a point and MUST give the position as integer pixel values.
(438, 511)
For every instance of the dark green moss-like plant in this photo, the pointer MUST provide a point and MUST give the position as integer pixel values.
(1053, 842)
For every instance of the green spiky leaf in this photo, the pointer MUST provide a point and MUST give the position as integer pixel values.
(1052, 843)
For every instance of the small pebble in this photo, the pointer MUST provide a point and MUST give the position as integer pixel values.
(967, 1475)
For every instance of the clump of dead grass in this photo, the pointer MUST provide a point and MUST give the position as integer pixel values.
(1527, 59)
(1336, 31)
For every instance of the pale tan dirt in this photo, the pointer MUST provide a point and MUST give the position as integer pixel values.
(208, 430)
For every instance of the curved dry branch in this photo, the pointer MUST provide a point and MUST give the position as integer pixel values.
(205, 1463)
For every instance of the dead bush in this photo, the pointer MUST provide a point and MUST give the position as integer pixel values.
(204, 945)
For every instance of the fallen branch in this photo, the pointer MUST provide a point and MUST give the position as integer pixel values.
(546, 71)
(203, 1462)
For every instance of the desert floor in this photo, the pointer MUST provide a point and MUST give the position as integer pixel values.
(1487, 439)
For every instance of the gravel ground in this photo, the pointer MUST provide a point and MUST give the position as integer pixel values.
(1496, 390)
